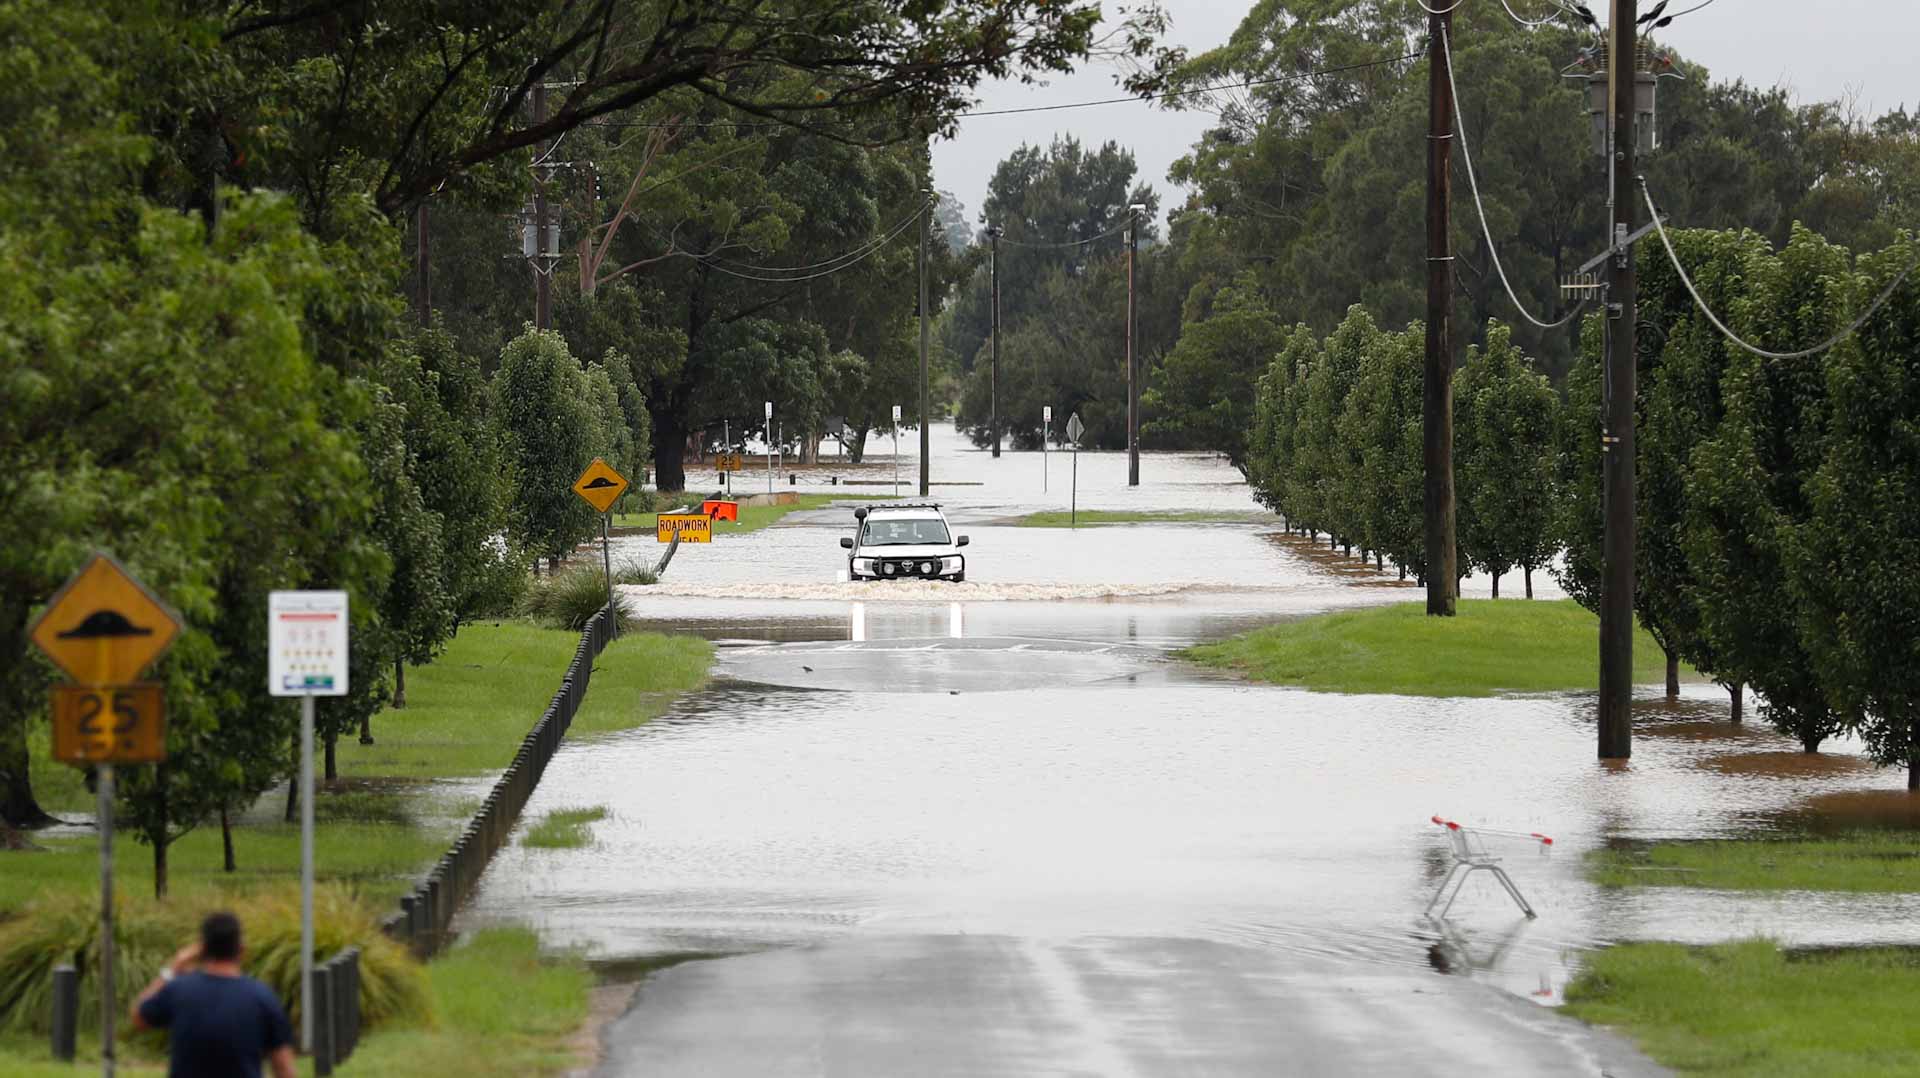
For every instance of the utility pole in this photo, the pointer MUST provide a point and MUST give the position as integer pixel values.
(542, 275)
(1437, 403)
(422, 263)
(1616, 442)
(993, 274)
(1133, 372)
(926, 397)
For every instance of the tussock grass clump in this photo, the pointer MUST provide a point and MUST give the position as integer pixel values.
(147, 933)
(635, 572)
(570, 598)
(567, 829)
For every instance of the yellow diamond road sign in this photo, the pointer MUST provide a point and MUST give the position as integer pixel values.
(600, 485)
(104, 627)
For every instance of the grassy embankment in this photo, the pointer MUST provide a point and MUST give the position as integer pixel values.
(1491, 646)
(752, 517)
(466, 714)
(1750, 1007)
(1092, 517)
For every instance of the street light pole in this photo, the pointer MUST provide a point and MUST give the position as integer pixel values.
(542, 277)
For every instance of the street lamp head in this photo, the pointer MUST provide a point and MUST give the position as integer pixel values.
(1138, 207)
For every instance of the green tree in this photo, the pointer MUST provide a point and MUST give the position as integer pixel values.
(1506, 419)
(1854, 571)
(1271, 443)
(1381, 420)
(1202, 392)
(551, 433)
(1326, 465)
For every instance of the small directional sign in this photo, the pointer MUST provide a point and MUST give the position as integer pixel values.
(690, 527)
(1075, 428)
(103, 627)
(109, 724)
(600, 485)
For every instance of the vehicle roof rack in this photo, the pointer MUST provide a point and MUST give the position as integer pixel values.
(905, 505)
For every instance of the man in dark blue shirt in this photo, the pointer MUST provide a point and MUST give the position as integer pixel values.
(220, 1022)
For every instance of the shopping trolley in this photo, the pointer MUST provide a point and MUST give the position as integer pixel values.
(1470, 855)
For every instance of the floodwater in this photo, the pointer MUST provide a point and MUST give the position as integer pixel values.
(1018, 757)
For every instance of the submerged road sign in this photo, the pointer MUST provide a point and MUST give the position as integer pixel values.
(727, 462)
(690, 527)
(109, 724)
(103, 627)
(600, 485)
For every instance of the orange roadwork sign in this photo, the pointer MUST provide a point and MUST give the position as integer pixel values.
(600, 485)
(690, 527)
(104, 627)
(109, 724)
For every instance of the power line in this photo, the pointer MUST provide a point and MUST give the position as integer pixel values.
(1466, 157)
(1698, 301)
(857, 256)
(1298, 76)
(860, 251)
(1114, 231)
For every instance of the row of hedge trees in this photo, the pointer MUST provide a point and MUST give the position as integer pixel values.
(1778, 498)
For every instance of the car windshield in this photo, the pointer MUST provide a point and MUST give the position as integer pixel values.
(911, 531)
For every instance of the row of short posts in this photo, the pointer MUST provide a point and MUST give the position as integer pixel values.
(426, 914)
(336, 1010)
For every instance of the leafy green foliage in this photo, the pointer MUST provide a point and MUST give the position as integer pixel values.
(1506, 420)
(570, 598)
(553, 430)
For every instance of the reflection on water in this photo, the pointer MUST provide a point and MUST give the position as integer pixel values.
(757, 816)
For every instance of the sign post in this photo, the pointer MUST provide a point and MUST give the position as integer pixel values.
(306, 657)
(1046, 435)
(769, 447)
(103, 628)
(896, 451)
(600, 486)
(726, 435)
(1075, 429)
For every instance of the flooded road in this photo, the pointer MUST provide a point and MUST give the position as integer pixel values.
(998, 813)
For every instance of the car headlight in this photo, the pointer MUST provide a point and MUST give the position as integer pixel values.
(887, 568)
(926, 567)
(863, 565)
(950, 565)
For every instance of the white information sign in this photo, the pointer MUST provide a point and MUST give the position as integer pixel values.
(1046, 413)
(896, 413)
(769, 409)
(307, 643)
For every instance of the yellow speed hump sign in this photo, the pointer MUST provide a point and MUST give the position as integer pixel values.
(690, 527)
(104, 627)
(600, 485)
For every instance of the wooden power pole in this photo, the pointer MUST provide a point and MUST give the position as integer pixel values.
(993, 277)
(1437, 403)
(1133, 371)
(1616, 442)
(542, 270)
(926, 396)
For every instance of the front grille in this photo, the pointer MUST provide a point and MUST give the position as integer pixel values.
(896, 568)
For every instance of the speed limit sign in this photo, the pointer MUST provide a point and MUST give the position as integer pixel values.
(109, 724)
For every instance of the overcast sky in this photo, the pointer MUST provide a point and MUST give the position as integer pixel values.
(1820, 50)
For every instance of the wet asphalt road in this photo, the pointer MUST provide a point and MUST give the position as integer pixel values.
(993, 829)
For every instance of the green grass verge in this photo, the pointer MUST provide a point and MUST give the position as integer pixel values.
(1089, 517)
(483, 1031)
(1860, 861)
(467, 711)
(1492, 646)
(567, 829)
(367, 844)
(478, 1031)
(1751, 1009)
(755, 517)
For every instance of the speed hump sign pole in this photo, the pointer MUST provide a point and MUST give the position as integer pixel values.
(103, 628)
(769, 447)
(896, 451)
(1075, 429)
(600, 486)
(306, 657)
